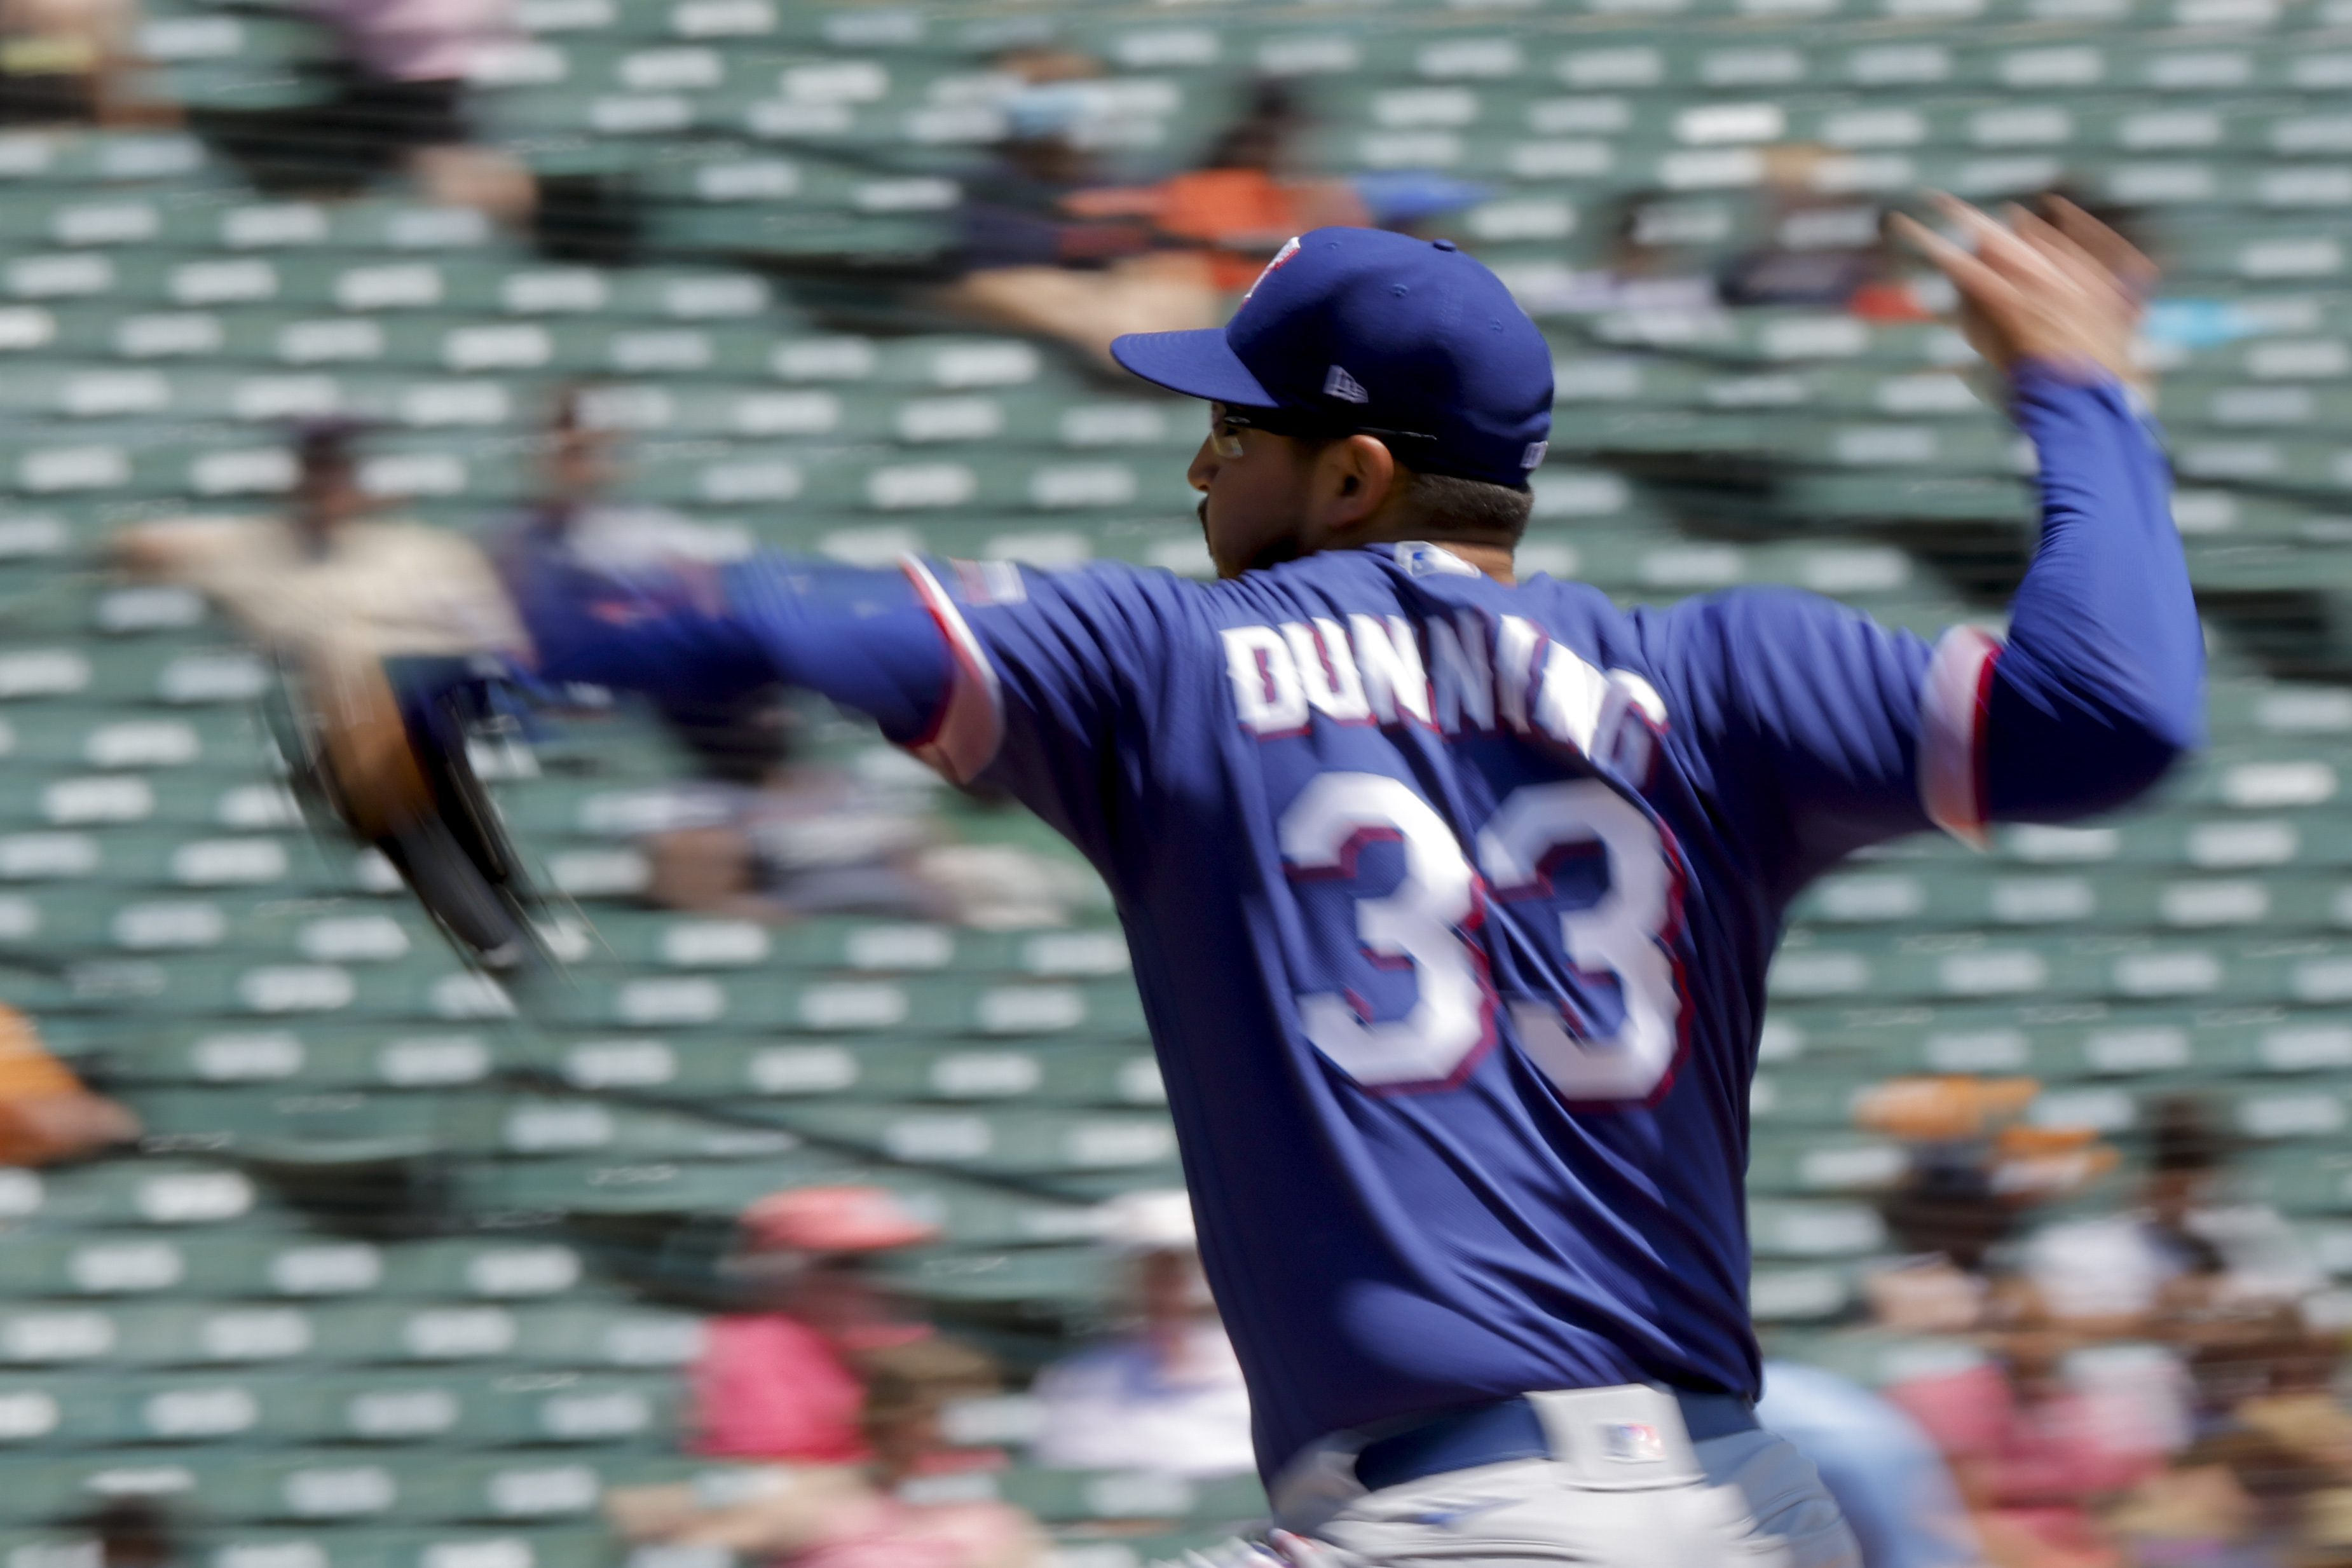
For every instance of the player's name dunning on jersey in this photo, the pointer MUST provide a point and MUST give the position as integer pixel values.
(1456, 674)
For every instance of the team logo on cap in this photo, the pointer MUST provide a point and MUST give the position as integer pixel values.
(1289, 250)
(1534, 454)
(1338, 383)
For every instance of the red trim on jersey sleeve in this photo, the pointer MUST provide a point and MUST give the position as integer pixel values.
(970, 726)
(1955, 703)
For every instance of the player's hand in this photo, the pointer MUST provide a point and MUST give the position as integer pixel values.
(2063, 289)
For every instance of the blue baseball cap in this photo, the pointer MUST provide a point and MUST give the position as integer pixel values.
(1361, 329)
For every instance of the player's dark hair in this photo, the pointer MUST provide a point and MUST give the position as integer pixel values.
(1447, 504)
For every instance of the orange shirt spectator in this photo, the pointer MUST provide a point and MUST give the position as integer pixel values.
(46, 1115)
(1239, 215)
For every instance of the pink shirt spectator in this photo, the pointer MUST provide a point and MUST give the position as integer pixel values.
(2054, 1451)
(893, 1534)
(2033, 1467)
(768, 1387)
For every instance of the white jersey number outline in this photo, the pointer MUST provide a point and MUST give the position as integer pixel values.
(1622, 932)
(1421, 920)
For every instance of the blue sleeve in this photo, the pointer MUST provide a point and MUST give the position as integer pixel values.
(1834, 732)
(2101, 687)
(1069, 684)
(1804, 716)
(863, 638)
(1040, 683)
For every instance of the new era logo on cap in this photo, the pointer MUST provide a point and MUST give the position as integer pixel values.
(1338, 383)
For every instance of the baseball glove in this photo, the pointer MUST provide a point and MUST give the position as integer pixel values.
(376, 749)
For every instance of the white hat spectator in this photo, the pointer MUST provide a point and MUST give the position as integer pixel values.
(1137, 1223)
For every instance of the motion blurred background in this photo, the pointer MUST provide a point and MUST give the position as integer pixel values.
(744, 1235)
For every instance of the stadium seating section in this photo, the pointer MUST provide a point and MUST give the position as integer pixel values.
(409, 1265)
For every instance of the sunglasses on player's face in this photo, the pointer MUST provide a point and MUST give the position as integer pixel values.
(1227, 423)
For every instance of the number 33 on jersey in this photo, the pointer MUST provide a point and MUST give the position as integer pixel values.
(1419, 919)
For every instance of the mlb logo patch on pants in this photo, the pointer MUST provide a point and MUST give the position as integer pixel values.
(1634, 1442)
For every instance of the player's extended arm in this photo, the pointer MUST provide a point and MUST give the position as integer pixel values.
(2099, 687)
(874, 641)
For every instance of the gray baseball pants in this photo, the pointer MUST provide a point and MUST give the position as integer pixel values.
(1624, 1487)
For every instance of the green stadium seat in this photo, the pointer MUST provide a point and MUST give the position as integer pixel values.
(1058, 1497)
(968, 1137)
(474, 1410)
(1818, 1164)
(1806, 1229)
(617, 1188)
(448, 1547)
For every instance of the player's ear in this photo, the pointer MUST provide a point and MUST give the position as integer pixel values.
(1363, 471)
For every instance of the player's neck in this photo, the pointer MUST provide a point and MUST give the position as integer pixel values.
(1493, 560)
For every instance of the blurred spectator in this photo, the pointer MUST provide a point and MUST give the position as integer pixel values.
(1820, 257)
(1818, 248)
(1029, 262)
(323, 587)
(801, 839)
(135, 1532)
(897, 1526)
(1677, 261)
(892, 1513)
(64, 62)
(1245, 199)
(1166, 1393)
(736, 740)
(2269, 1478)
(581, 465)
(1051, 248)
(46, 1115)
(1889, 1480)
(348, 607)
(2186, 1249)
(2186, 1316)
(1972, 1171)
(2131, 1388)
(404, 103)
(1409, 200)
(2038, 1452)
(1012, 214)
(781, 1384)
(2041, 1430)
(756, 830)
(2028, 1448)
(1659, 273)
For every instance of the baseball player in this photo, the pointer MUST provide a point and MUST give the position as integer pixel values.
(1451, 896)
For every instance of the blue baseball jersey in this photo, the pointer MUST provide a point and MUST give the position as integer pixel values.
(1451, 902)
